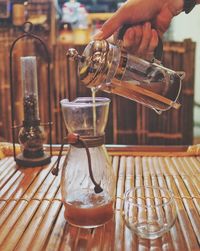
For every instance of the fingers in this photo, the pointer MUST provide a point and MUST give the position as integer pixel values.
(141, 40)
(122, 16)
(149, 54)
(132, 38)
(129, 38)
(136, 12)
(131, 12)
(146, 38)
(154, 40)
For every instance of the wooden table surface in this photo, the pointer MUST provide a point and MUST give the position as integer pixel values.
(32, 213)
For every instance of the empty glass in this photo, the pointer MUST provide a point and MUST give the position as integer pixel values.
(149, 211)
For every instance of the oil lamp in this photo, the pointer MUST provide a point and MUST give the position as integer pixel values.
(31, 134)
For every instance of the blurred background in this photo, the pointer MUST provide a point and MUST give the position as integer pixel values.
(65, 24)
(186, 26)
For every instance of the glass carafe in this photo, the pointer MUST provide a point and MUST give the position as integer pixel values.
(88, 183)
(109, 67)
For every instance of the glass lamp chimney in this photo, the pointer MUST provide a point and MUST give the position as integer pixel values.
(30, 88)
(31, 135)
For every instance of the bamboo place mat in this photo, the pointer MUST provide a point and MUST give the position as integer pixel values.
(32, 213)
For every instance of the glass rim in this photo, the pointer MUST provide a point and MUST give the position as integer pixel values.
(170, 199)
(85, 102)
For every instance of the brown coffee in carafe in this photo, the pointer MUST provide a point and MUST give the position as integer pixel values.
(94, 213)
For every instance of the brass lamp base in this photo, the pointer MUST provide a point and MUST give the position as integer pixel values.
(33, 162)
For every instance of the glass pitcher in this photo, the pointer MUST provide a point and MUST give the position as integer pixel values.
(109, 67)
(88, 183)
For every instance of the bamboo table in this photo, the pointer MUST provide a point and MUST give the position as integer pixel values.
(32, 213)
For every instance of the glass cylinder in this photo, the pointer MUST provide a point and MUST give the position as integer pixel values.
(30, 88)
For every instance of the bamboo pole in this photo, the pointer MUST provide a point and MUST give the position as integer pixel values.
(38, 242)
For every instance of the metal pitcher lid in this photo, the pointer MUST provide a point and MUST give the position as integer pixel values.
(94, 65)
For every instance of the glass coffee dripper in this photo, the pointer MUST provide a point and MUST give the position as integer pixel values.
(88, 183)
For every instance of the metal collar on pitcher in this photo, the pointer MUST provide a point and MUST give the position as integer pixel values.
(95, 66)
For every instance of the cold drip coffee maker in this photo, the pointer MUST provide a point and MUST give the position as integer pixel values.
(87, 185)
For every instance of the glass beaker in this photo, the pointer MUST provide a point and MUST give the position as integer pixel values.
(110, 68)
(88, 182)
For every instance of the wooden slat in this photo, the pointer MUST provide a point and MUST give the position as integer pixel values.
(32, 224)
(46, 225)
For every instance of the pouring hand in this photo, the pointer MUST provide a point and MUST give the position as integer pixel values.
(158, 12)
(141, 40)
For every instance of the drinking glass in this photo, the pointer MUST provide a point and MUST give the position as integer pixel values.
(149, 211)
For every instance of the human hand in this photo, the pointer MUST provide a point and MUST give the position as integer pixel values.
(150, 19)
(141, 40)
(158, 12)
